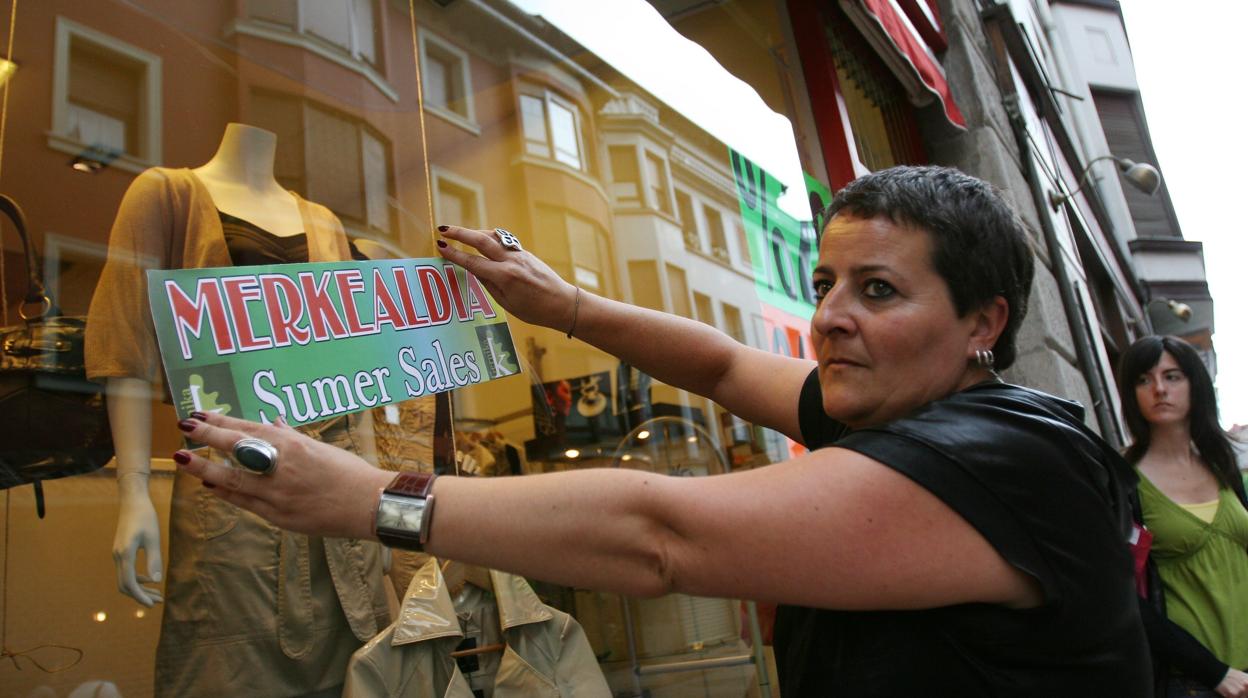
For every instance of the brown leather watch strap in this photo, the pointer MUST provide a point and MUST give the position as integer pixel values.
(411, 484)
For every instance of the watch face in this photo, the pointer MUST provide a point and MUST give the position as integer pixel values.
(401, 514)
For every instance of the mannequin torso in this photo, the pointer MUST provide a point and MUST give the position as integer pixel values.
(240, 178)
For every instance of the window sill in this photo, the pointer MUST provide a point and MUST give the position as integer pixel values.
(455, 119)
(556, 166)
(124, 162)
(278, 35)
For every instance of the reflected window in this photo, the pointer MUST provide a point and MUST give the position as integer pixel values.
(552, 128)
(625, 175)
(702, 309)
(715, 230)
(446, 80)
(349, 26)
(457, 200)
(688, 222)
(656, 180)
(732, 322)
(743, 243)
(106, 97)
(330, 157)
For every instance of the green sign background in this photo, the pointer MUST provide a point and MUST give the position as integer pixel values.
(303, 383)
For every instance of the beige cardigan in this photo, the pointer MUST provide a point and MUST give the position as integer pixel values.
(168, 220)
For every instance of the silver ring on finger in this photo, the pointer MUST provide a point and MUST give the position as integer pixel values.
(506, 239)
(257, 455)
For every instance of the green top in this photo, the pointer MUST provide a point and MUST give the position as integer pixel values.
(1204, 569)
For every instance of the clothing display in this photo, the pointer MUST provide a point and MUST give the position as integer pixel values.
(545, 654)
(1051, 497)
(1200, 581)
(249, 609)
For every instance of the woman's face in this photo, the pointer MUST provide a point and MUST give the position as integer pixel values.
(1164, 392)
(885, 330)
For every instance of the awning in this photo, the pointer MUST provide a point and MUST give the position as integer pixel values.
(887, 28)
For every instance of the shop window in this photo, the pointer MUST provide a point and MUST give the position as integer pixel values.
(702, 309)
(457, 201)
(106, 99)
(552, 128)
(625, 176)
(688, 222)
(679, 288)
(447, 81)
(715, 229)
(732, 322)
(656, 181)
(331, 158)
(346, 26)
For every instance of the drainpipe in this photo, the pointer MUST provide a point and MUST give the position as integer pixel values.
(1084, 352)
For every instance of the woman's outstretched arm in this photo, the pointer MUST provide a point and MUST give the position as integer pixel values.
(831, 529)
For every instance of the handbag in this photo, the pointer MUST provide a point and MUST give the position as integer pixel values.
(53, 421)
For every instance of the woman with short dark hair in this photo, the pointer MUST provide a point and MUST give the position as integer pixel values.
(947, 535)
(1194, 505)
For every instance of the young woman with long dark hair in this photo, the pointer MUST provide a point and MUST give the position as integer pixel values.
(1193, 502)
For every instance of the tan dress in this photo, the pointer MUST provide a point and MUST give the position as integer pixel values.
(249, 609)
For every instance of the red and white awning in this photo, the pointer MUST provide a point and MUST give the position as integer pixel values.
(888, 27)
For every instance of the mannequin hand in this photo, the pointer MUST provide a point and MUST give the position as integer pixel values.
(1234, 684)
(138, 528)
(316, 489)
(523, 284)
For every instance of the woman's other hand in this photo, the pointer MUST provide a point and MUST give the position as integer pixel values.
(524, 285)
(316, 488)
(1234, 684)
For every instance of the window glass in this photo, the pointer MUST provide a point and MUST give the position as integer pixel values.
(633, 147)
(533, 114)
(564, 134)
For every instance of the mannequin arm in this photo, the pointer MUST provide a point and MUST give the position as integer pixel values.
(130, 415)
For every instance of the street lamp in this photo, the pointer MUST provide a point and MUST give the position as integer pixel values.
(1141, 175)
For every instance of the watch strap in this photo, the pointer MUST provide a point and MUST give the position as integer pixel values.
(411, 484)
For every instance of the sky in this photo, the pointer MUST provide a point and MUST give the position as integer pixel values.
(1188, 63)
(1187, 68)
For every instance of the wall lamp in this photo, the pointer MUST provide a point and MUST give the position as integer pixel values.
(1182, 311)
(1141, 175)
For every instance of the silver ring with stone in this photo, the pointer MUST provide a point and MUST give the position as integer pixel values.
(506, 239)
(257, 455)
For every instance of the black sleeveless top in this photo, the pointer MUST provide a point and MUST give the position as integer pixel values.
(249, 244)
(1051, 497)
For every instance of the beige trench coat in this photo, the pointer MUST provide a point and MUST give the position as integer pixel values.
(547, 653)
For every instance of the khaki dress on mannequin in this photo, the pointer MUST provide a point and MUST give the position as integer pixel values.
(249, 609)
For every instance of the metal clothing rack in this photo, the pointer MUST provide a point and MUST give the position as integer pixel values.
(657, 454)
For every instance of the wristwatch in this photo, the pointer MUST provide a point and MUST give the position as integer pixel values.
(404, 510)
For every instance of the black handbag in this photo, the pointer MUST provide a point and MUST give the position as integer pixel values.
(53, 422)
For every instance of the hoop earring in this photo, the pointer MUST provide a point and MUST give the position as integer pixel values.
(984, 358)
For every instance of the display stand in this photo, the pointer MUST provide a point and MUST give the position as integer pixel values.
(677, 446)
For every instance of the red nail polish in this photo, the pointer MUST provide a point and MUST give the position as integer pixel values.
(199, 415)
(443, 228)
(442, 244)
(188, 425)
(181, 457)
(209, 485)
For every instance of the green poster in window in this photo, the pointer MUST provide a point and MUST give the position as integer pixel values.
(783, 249)
(306, 342)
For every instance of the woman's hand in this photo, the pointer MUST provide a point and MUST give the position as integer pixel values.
(316, 488)
(1234, 684)
(524, 285)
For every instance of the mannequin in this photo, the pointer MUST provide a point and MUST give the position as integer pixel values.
(240, 179)
(290, 608)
